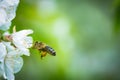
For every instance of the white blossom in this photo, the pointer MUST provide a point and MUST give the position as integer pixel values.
(18, 43)
(22, 41)
(7, 13)
(10, 58)
(10, 61)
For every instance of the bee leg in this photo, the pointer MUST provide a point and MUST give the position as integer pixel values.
(43, 54)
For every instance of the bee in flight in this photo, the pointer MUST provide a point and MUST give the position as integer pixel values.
(44, 49)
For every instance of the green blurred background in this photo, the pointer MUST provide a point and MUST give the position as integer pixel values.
(84, 33)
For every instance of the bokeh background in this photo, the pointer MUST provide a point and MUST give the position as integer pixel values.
(84, 33)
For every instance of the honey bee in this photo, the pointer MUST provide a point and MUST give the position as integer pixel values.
(44, 49)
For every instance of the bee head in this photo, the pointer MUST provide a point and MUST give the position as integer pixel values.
(35, 45)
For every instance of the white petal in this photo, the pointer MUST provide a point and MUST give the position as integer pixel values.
(9, 2)
(3, 53)
(21, 49)
(2, 70)
(21, 34)
(8, 46)
(7, 13)
(6, 33)
(4, 24)
(24, 51)
(13, 64)
(14, 61)
(3, 16)
(18, 64)
(9, 71)
(9, 6)
(20, 39)
(28, 41)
